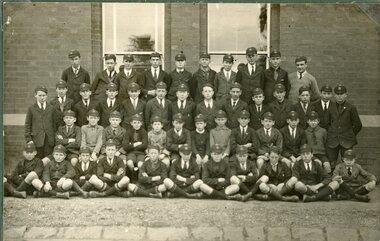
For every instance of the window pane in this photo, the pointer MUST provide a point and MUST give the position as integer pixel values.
(217, 61)
(234, 27)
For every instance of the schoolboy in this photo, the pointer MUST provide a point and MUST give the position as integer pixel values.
(203, 76)
(257, 109)
(208, 107)
(74, 76)
(184, 106)
(178, 76)
(84, 105)
(126, 76)
(274, 75)
(310, 179)
(133, 105)
(303, 107)
(200, 141)
(316, 137)
(109, 104)
(92, 134)
(69, 136)
(233, 106)
(177, 137)
(157, 137)
(159, 106)
(293, 137)
(322, 106)
(26, 175)
(61, 103)
(154, 75)
(221, 134)
(267, 136)
(40, 123)
(354, 181)
(104, 78)
(224, 79)
(280, 107)
(84, 171)
(302, 78)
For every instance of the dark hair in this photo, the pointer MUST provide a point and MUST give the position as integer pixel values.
(110, 56)
(301, 58)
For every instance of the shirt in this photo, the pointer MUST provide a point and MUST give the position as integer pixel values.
(209, 104)
(327, 103)
(307, 165)
(251, 68)
(41, 105)
(110, 102)
(227, 74)
(234, 102)
(112, 73)
(127, 72)
(62, 99)
(179, 103)
(76, 71)
(179, 133)
(299, 74)
(291, 131)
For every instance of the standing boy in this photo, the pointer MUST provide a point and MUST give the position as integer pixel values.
(108, 105)
(61, 103)
(234, 106)
(104, 78)
(257, 109)
(323, 105)
(208, 107)
(184, 106)
(224, 79)
(133, 105)
(178, 76)
(84, 105)
(159, 106)
(280, 107)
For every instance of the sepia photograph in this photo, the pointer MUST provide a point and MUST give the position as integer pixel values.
(191, 121)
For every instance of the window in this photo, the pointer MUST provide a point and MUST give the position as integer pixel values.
(133, 28)
(232, 28)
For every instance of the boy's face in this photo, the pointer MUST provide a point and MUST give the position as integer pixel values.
(29, 155)
(204, 62)
(182, 95)
(136, 124)
(243, 121)
(267, 123)
(207, 92)
(155, 62)
(258, 99)
(69, 120)
(180, 64)
(156, 126)
(128, 64)
(235, 93)
(221, 121)
(59, 156)
(293, 123)
(326, 96)
(273, 158)
(161, 93)
(178, 125)
(92, 120)
(217, 157)
(313, 123)
(301, 66)
(110, 64)
(85, 157)
(242, 158)
(61, 91)
(111, 94)
(349, 161)
(185, 157)
(227, 65)
(134, 93)
(153, 154)
(85, 94)
(200, 125)
(115, 122)
(305, 97)
(306, 156)
(279, 95)
(275, 62)
(251, 58)
(41, 96)
(340, 98)
(75, 62)
(110, 151)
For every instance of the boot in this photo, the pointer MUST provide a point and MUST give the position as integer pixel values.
(110, 191)
(64, 195)
(13, 191)
(342, 197)
(292, 198)
(74, 193)
(236, 197)
(247, 196)
(218, 194)
(261, 197)
(155, 195)
(197, 195)
(307, 198)
(125, 194)
(243, 188)
(324, 193)
(79, 190)
(255, 188)
(177, 190)
(87, 186)
(95, 194)
(275, 195)
(362, 198)
(347, 189)
(362, 191)
(23, 186)
(142, 193)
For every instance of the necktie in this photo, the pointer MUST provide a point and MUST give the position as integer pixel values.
(300, 75)
(60, 99)
(134, 103)
(243, 166)
(114, 132)
(135, 136)
(162, 103)
(110, 161)
(110, 104)
(304, 107)
(294, 133)
(266, 132)
(61, 104)
(86, 103)
(110, 75)
(186, 165)
(128, 74)
(155, 77)
(243, 132)
(252, 69)
(208, 105)
(258, 109)
(42, 107)
(228, 76)
(325, 106)
(182, 104)
(274, 168)
(275, 74)
(234, 104)
(349, 171)
(76, 71)
(308, 167)
(314, 136)
(84, 166)
(68, 129)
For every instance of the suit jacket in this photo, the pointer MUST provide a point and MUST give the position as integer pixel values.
(74, 81)
(281, 175)
(237, 139)
(233, 112)
(92, 168)
(255, 116)
(149, 82)
(200, 143)
(40, 124)
(213, 170)
(73, 133)
(153, 108)
(249, 82)
(265, 142)
(24, 167)
(269, 82)
(357, 174)
(221, 85)
(345, 125)
(280, 112)
(176, 79)
(60, 109)
(291, 146)
(316, 175)
(192, 170)
(105, 111)
(173, 140)
(302, 115)
(251, 168)
(116, 169)
(128, 111)
(99, 85)
(324, 116)
(208, 114)
(81, 111)
(198, 80)
(188, 112)
(53, 171)
(123, 81)
(117, 136)
(133, 136)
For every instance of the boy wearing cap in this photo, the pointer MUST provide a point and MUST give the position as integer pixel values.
(274, 75)
(61, 103)
(109, 104)
(69, 136)
(84, 105)
(316, 137)
(233, 106)
(224, 79)
(221, 134)
(280, 107)
(303, 107)
(177, 137)
(310, 179)
(159, 106)
(26, 175)
(178, 76)
(184, 106)
(132, 105)
(250, 75)
(203, 76)
(40, 123)
(293, 137)
(84, 170)
(345, 124)
(200, 141)
(267, 136)
(157, 137)
(302, 78)
(104, 78)
(92, 134)
(350, 177)
(208, 107)
(74, 76)
(153, 75)
(257, 109)
(323, 105)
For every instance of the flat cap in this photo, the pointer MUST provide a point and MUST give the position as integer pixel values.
(216, 149)
(61, 84)
(41, 88)
(93, 112)
(30, 147)
(220, 114)
(340, 89)
(228, 58)
(84, 87)
(185, 149)
(251, 51)
(59, 148)
(74, 53)
(69, 113)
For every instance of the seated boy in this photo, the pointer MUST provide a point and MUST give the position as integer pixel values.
(133, 105)
(233, 106)
(157, 137)
(92, 134)
(177, 137)
(280, 107)
(84, 170)
(348, 174)
(257, 109)
(109, 105)
(61, 103)
(221, 135)
(303, 107)
(184, 106)
(200, 141)
(208, 107)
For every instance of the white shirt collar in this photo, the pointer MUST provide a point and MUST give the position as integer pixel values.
(200, 132)
(63, 99)
(128, 72)
(268, 130)
(327, 103)
(232, 101)
(290, 129)
(84, 101)
(153, 69)
(183, 162)
(109, 101)
(178, 132)
(303, 74)
(85, 166)
(179, 103)
(75, 69)
(211, 102)
(243, 128)
(132, 100)
(305, 164)
(160, 101)
(41, 105)
(108, 72)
